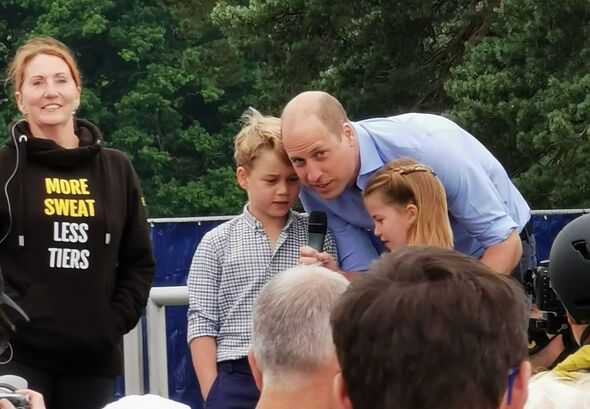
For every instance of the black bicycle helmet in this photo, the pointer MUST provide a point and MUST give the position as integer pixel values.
(569, 268)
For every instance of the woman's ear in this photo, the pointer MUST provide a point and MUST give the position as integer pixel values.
(19, 102)
(242, 177)
(77, 102)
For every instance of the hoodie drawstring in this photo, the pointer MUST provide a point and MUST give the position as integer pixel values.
(16, 172)
(22, 192)
(105, 198)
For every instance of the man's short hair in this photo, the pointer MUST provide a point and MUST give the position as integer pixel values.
(428, 327)
(317, 103)
(291, 332)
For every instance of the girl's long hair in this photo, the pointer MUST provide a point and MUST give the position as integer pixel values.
(405, 181)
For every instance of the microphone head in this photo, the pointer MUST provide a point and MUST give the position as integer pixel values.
(318, 222)
(12, 383)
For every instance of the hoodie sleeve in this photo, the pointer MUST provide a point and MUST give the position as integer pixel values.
(136, 265)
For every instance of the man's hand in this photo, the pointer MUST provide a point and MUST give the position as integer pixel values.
(310, 256)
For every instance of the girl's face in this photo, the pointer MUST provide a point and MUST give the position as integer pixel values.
(392, 222)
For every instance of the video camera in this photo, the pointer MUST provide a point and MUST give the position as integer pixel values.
(537, 284)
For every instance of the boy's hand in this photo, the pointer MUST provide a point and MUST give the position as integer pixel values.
(308, 255)
(207, 385)
(204, 357)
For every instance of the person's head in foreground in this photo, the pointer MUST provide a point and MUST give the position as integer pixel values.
(569, 271)
(408, 205)
(430, 328)
(292, 355)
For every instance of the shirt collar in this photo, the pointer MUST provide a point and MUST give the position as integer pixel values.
(370, 160)
(254, 223)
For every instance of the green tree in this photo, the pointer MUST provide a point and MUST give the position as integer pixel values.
(524, 91)
(163, 91)
(378, 57)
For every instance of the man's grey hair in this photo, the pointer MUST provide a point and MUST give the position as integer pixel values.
(291, 332)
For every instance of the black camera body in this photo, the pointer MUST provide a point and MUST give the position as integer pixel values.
(18, 401)
(537, 283)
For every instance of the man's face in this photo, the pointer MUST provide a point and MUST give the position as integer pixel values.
(326, 160)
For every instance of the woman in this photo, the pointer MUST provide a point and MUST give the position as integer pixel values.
(408, 206)
(74, 242)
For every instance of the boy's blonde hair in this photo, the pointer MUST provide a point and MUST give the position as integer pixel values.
(258, 132)
(405, 181)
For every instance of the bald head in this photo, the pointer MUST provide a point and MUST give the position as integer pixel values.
(321, 143)
(314, 103)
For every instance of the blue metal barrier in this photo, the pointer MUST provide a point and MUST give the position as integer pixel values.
(174, 246)
(174, 243)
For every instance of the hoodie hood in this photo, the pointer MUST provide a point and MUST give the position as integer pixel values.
(47, 152)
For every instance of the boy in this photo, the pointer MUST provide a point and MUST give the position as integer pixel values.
(234, 261)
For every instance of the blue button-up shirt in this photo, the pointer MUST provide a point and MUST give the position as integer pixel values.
(484, 205)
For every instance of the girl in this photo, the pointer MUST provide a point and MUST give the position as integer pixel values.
(408, 205)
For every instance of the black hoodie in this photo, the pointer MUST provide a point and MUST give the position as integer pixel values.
(77, 257)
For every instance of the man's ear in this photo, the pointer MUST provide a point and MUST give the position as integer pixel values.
(348, 134)
(520, 388)
(242, 177)
(255, 371)
(340, 395)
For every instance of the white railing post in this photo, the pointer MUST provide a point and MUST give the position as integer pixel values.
(133, 361)
(160, 297)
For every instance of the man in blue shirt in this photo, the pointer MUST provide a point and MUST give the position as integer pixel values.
(335, 157)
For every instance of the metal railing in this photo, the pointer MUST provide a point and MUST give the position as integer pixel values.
(155, 313)
(199, 219)
(160, 297)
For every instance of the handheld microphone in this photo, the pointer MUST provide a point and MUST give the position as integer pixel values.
(317, 228)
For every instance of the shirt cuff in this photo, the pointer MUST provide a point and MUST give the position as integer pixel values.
(497, 233)
(200, 327)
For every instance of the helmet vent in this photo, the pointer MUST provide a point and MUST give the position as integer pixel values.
(582, 248)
